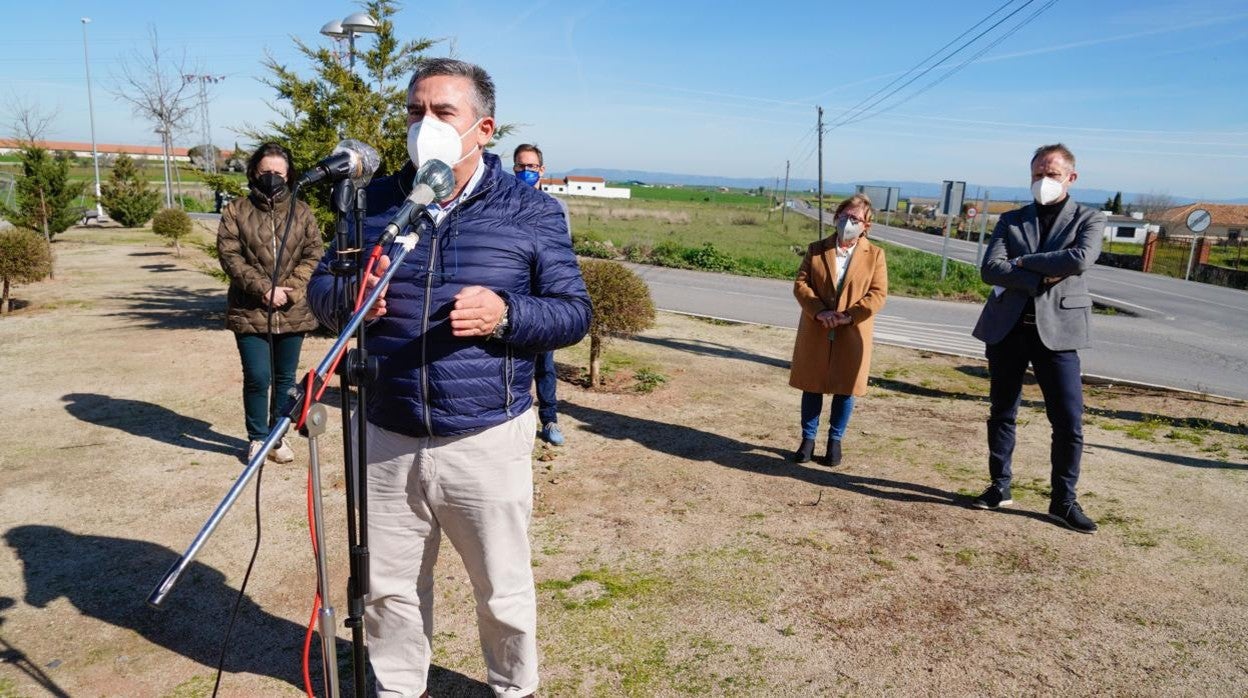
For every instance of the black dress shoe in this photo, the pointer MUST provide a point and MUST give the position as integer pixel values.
(833, 457)
(805, 451)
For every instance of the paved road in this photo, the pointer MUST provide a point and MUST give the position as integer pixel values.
(1203, 356)
(1124, 348)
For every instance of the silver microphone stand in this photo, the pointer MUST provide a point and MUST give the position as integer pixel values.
(315, 424)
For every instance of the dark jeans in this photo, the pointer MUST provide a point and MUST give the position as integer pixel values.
(545, 377)
(838, 416)
(253, 349)
(1058, 374)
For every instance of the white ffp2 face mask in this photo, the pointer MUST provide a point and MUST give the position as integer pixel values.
(1046, 191)
(432, 139)
(848, 231)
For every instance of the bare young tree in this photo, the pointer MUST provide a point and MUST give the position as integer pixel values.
(1153, 203)
(29, 122)
(152, 83)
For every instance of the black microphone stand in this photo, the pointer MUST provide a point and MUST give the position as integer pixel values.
(358, 370)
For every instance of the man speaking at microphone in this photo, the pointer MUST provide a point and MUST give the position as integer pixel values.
(492, 282)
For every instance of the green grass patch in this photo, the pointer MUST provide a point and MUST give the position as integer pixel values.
(599, 588)
(648, 380)
(726, 235)
(198, 686)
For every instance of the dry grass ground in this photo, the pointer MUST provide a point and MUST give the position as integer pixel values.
(677, 551)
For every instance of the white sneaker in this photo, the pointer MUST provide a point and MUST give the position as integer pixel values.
(252, 449)
(283, 453)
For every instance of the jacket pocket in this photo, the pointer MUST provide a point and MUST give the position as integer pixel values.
(1081, 301)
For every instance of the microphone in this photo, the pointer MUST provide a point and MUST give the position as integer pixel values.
(349, 159)
(434, 181)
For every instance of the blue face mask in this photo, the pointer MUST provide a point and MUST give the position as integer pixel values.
(529, 177)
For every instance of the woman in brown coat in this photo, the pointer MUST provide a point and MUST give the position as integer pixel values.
(841, 285)
(268, 319)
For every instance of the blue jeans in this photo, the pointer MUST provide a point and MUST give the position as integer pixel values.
(838, 418)
(546, 378)
(1058, 374)
(258, 404)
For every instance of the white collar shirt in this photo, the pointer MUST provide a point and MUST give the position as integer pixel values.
(842, 258)
(438, 211)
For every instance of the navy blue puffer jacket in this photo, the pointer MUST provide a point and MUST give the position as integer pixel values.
(505, 236)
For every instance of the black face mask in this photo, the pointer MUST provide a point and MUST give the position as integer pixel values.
(270, 184)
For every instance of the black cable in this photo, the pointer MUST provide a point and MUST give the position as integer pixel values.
(277, 266)
(238, 602)
(255, 551)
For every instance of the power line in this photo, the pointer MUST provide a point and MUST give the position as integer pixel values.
(1027, 20)
(861, 107)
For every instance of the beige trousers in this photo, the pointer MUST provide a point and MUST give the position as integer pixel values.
(478, 489)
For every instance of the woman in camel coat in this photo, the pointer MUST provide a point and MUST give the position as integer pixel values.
(832, 352)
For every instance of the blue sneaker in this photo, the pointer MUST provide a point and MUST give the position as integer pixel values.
(552, 435)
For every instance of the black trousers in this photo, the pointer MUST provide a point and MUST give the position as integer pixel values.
(1058, 374)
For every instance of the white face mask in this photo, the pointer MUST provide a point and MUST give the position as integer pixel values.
(431, 139)
(1046, 191)
(847, 231)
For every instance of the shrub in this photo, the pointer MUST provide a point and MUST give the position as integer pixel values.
(708, 257)
(193, 204)
(669, 253)
(172, 223)
(622, 307)
(25, 257)
(126, 196)
(586, 246)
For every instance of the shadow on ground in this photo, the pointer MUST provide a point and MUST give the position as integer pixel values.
(722, 351)
(1124, 415)
(174, 307)
(1174, 458)
(693, 444)
(151, 421)
(108, 579)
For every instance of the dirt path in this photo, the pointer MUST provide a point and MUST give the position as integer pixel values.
(677, 551)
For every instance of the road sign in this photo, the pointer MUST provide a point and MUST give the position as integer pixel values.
(951, 197)
(1198, 220)
(970, 212)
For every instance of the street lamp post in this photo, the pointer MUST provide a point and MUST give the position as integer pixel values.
(348, 28)
(95, 155)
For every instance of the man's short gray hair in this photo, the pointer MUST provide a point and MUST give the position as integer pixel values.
(482, 85)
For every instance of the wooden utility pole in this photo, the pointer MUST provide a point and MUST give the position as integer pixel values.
(784, 203)
(819, 127)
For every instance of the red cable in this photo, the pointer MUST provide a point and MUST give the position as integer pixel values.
(316, 598)
(303, 417)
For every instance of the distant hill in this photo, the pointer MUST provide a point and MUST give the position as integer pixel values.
(922, 190)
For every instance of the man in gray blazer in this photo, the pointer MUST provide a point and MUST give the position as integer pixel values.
(1039, 314)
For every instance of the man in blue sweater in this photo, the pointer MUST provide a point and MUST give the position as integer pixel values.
(492, 283)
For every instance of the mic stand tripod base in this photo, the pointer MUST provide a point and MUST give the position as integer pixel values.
(326, 623)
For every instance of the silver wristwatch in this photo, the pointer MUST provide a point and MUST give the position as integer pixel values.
(500, 329)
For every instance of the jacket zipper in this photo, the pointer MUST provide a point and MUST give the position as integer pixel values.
(424, 329)
(277, 316)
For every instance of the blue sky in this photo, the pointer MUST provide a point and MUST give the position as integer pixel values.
(1152, 96)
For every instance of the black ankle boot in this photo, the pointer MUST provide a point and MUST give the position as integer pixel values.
(805, 451)
(834, 453)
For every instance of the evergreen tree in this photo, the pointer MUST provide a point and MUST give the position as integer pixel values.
(336, 103)
(1117, 207)
(45, 197)
(127, 196)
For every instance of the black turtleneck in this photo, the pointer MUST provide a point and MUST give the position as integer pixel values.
(1047, 214)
